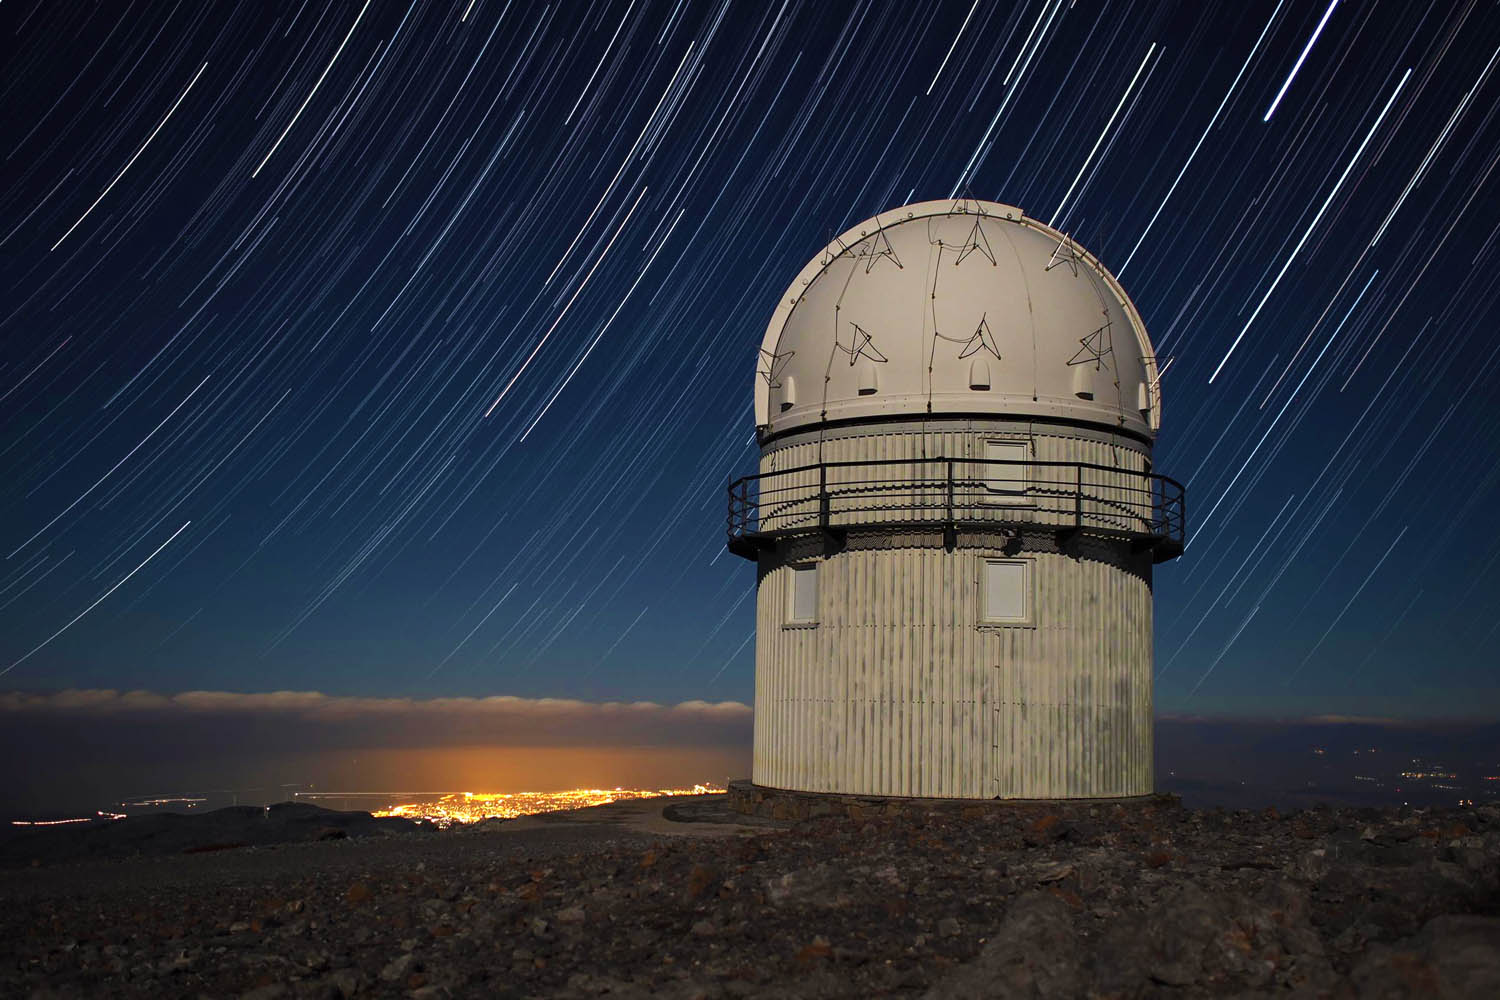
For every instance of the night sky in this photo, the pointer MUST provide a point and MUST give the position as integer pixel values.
(405, 351)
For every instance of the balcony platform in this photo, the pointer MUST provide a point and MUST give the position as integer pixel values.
(957, 496)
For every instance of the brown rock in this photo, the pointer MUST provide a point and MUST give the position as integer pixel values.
(700, 880)
(358, 893)
(820, 948)
(1068, 896)
(1045, 830)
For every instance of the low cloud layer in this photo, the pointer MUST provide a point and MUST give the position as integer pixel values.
(1296, 720)
(95, 745)
(329, 706)
(323, 720)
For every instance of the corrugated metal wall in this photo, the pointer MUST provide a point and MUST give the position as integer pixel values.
(791, 501)
(899, 690)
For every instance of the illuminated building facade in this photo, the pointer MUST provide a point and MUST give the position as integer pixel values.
(955, 519)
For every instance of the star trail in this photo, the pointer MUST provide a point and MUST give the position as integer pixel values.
(405, 350)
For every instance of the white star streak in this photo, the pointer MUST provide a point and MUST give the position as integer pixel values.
(581, 286)
(951, 48)
(603, 329)
(1298, 65)
(1029, 36)
(1227, 646)
(1378, 646)
(1107, 126)
(623, 164)
(1312, 225)
(1348, 604)
(138, 152)
(607, 50)
(466, 638)
(112, 468)
(616, 644)
(984, 141)
(732, 655)
(1227, 94)
(1275, 420)
(96, 603)
(315, 86)
(1442, 138)
(35, 368)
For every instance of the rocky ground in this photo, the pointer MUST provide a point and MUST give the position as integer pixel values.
(626, 902)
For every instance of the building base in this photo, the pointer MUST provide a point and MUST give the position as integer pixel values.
(750, 799)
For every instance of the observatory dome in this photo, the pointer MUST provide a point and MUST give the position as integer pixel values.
(956, 308)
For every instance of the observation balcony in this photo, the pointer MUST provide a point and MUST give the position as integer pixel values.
(1068, 499)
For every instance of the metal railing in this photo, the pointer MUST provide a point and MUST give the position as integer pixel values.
(953, 493)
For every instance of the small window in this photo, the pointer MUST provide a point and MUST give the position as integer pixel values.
(1006, 483)
(1005, 592)
(802, 595)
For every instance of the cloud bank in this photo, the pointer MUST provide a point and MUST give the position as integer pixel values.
(320, 719)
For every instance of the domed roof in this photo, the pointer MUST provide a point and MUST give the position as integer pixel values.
(947, 307)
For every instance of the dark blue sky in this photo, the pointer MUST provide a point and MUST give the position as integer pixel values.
(405, 350)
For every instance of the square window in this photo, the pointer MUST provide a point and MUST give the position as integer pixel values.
(802, 595)
(1006, 484)
(1005, 592)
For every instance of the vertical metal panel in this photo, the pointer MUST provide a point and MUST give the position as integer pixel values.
(900, 691)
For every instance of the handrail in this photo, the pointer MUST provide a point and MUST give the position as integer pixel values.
(1074, 497)
(957, 458)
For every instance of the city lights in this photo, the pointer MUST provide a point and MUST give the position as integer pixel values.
(471, 807)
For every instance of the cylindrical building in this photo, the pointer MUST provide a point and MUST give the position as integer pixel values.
(955, 518)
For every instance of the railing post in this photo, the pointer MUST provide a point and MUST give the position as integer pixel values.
(823, 496)
(1182, 517)
(950, 491)
(1078, 497)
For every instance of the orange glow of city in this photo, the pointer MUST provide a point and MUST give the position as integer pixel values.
(472, 807)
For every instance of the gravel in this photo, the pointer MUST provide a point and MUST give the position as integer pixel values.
(1035, 900)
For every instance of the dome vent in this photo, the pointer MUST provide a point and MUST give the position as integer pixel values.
(1083, 382)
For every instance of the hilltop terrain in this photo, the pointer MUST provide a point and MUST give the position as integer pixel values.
(682, 899)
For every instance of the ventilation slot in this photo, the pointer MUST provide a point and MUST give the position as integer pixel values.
(868, 380)
(788, 393)
(1083, 382)
(979, 374)
(1143, 398)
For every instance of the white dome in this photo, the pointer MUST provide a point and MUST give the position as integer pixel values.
(956, 307)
